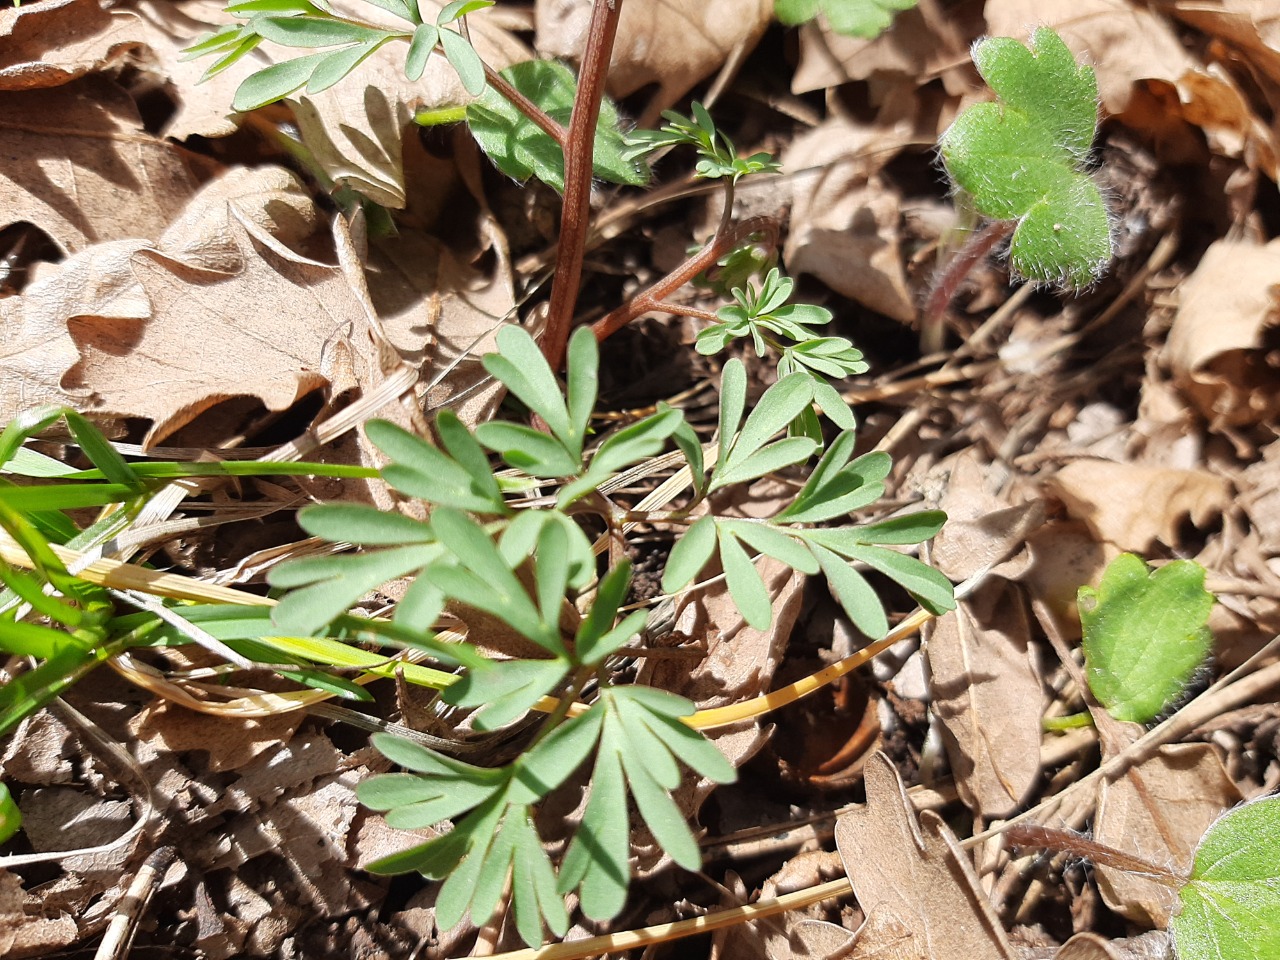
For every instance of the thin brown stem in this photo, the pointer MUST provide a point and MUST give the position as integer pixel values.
(578, 158)
(947, 284)
(1063, 841)
(652, 299)
(681, 310)
(535, 113)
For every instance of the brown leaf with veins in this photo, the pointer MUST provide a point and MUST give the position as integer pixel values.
(80, 166)
(989, 698)
(48, 44)
(262, 332)
(916, 886)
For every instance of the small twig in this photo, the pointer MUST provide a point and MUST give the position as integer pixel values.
(116, 941)
(578, 157)
(653, 299)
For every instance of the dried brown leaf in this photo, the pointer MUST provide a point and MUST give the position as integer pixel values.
(918, 890)
(229, 742)
(673, 44)
(793, 935)
(48, 44)
(1218, 347)
(1159, 810)
(1134, 505)
(80, 166)
(1252, 26)
(982, 529)
(989, 697)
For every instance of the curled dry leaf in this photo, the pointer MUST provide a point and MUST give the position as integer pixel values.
(48, 44)
(1159, 810)
(1153, 945)
(1251, 26)
(1219, 346)
(1133, 505)
(916, 886)
(673, 44)
(989, 697)
(80, 166)
(982, 530)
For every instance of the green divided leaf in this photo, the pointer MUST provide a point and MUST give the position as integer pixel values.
(521, 150)
(1144, 634)
(1231, 903)
(1020, 158)
(854, 18)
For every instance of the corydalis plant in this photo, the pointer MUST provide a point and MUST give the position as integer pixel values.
(1023, 158)
(533, 570)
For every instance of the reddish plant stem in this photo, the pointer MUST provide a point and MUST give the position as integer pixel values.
(535, 113)
(652, 299)
(1062, 841)
(947, 284)
(578, 157)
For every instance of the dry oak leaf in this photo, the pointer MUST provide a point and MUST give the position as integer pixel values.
(989, 697)
(1252, 26)
(917, 888)
(1159, 810)
(1135, 505)
(1219, 346)
(78, 165)
(672, 43)
(48, 44)
(263, 332)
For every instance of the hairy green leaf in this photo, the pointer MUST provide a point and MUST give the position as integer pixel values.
(854, 18)
(1145, 634)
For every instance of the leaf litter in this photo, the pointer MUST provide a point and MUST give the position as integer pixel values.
(176, 276)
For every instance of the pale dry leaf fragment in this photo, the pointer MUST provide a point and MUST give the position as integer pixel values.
(672, 43)
(66, 818)
(230, 743)
(355, 130)
(917, 888)
(1252, 26)
(1218, 347)
(1134, 505)
(11, 913)
(48, 44)
(1153, 945)
(913, 50)
(79, 166)
(982, 529)
(1159, 810)
(989, 698)
(1260, 496)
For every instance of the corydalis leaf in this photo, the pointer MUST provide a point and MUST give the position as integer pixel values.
(1020, 158)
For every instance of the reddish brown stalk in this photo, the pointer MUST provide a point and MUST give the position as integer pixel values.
(531, 110)
(578, 157)
(947, 283)
(1062, 841)
(652, 299)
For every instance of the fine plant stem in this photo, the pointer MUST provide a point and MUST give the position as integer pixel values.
(652, 300)
(947, 284)
(531, 110)
(1063, 841)
(578, 156)
(680, 310)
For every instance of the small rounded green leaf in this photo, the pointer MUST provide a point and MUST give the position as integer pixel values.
(420, 48)
(1144, 634)
(690, 554)
(275, 82)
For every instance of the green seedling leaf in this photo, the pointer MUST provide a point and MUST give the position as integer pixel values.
(855, 18)
(363, 525)
(743, 580)
(521, 150)
(460, 8)
(275, 82)
(337, 65)
(313, 32)
(1231, 903)
(421, 46)
(1144, 634)
(1020, 158)
(690, 554)
(10, 815)
(464, 59)
(837, 487)
(505, 689)
(521, 367)
(457, 477)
